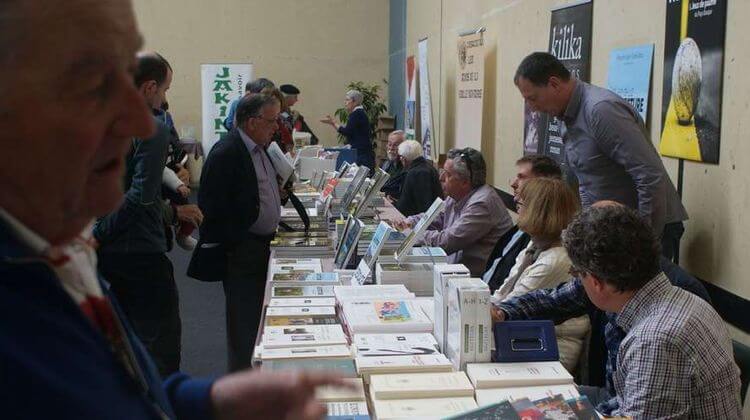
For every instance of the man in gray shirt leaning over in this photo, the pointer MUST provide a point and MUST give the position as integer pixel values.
(475, 216)
(607, 145)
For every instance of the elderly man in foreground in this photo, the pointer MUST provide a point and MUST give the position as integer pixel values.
(70, 111)
(475, 216)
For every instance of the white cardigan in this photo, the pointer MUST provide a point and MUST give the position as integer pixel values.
(549, 270)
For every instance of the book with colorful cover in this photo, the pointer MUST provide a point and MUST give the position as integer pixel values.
(527, 410)
(555, 408)
(583, 408)
(301, 320)
(498, 411)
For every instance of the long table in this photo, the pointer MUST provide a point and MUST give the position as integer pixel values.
(387, 213)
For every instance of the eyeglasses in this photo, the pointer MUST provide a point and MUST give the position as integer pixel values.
(268, 120)
(467, 160)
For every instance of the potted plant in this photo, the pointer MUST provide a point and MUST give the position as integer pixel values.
(371, 101)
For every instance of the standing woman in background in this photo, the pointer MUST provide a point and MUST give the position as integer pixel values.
(356, 130)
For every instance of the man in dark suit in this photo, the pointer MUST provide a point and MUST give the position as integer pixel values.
(393, 166)
(421, 182)
(357, 129)
(509, 245)
(240, 199)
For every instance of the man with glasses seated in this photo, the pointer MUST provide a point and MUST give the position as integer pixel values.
(670, 352)
(475, 216)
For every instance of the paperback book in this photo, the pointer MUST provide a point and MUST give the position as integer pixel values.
(420, 385)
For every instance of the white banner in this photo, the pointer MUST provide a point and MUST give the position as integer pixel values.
(425, 104)
(470, 91)
(220, 85)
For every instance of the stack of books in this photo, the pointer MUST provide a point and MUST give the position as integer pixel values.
(300, 315)
(370, 292)
(301, 291)
(303, 336)
(441, 274)
(425, 363)
(469, 334)
(422, 408)
(389, 244)
(422, 254)
(345, 403)
(415, 277)
(301, 278)
(390, 344)
(303, 247)
(293, 353)
(496, 382)
(384, 316)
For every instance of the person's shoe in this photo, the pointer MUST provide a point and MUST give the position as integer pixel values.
(186, 242)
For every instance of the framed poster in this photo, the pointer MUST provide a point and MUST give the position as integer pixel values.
(630, 75)
(693, 75)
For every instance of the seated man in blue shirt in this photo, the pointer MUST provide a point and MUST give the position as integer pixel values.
(504, 255)
(660, 370)
(67, 351)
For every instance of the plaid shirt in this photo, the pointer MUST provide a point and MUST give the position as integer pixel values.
(569, 300)
(676, 359)
(658, 313)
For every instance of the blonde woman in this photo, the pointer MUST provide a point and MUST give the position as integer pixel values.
(545, 207)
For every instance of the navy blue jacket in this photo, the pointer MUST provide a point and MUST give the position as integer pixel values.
(357, 133)
(55, 364)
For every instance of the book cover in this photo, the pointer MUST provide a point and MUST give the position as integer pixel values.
(302, 291)
(583, 408)
(343, 367)
(300, 311)
(283, 302)
(296, 261)
(339, 351)
(413, 339)
(494, 395)
(422, 407)
(498, 411)
(498, 375)
(339, 394)
(392, 311)
(527, 410)
(420, 385)
(301, 320)
(398, 349)
(342, 409)
(555, 408)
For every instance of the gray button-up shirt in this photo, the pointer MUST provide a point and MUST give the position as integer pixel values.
(609, 150)
(676, 360)
(268, 189)
(469, 229)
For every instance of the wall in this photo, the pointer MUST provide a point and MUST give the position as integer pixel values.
(717, 235)
(319, 46)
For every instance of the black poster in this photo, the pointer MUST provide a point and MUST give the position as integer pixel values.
(570, 42)
(693, 72)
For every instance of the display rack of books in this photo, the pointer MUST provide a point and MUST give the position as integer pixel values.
(410, 332)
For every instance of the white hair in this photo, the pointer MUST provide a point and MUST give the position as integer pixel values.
(355, 96)
(410, 150)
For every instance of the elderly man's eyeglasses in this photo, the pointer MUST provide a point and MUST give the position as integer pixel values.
(467, 161)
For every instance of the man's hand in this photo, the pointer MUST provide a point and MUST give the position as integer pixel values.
(497, 314)
(190, 213)
(183, 190)
(255, 394)
(183, 174)
(328, 120)
(402, 224)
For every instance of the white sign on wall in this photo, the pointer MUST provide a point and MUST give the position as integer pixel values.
(220, 85)
(470, 90)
